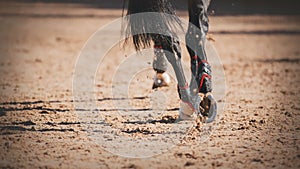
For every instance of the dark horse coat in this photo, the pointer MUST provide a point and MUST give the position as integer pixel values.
(162, 23)
(140, 28)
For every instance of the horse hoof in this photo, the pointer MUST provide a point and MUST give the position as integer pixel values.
(208, 107)
(161, 80)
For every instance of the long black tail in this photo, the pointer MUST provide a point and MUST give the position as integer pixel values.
(140, 28)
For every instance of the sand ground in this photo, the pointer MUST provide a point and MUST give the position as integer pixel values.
(258, 127)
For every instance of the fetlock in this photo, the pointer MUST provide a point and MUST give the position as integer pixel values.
(205, 82)
(201, 83)
(187, 109)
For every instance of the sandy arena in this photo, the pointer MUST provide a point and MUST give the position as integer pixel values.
(39, 127)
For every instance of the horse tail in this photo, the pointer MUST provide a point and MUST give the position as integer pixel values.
(140, 28)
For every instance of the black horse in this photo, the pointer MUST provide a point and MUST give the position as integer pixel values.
(196, 97)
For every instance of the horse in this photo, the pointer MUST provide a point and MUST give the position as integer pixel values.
(196, 99)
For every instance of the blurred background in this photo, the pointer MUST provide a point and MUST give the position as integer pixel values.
(258, 44)
(220, 7)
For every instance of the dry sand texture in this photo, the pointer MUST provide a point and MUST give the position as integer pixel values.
(39, 127)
